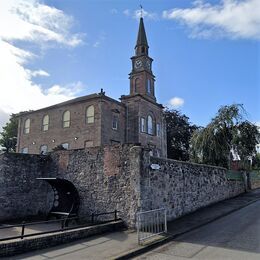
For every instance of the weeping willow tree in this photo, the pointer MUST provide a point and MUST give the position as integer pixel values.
(228, 131)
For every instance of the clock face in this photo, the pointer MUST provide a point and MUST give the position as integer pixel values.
(138, 64)
(148, 64)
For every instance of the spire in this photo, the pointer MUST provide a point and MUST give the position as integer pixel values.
(141, 38)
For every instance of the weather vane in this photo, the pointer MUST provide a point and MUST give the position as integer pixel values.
(141, 11)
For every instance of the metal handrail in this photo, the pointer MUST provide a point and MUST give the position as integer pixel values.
(62, 221)
(36, 223)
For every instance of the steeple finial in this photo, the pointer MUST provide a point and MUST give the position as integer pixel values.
(141, 37)
(141, 11)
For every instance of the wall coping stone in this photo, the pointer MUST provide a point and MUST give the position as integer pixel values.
(189, 163)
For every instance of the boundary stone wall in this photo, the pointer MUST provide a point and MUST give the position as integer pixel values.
(183, 187)
(21, 195)
(108, 178)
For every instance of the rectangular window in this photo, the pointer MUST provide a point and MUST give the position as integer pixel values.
(25, 150)
(115, 123)
(65, 146)
(142, 125)
(158, 129)
(89, 144)
(43, 149)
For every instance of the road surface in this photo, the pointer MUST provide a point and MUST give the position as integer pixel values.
(236, 236)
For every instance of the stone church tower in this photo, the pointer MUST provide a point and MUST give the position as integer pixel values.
(144, 116)
(97, 120)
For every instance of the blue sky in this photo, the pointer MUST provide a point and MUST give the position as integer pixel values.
(205, 55)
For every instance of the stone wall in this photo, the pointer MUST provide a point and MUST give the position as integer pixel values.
(109, 178)
(254, 179)
(106, 178)
(182, 187)
(21, 195)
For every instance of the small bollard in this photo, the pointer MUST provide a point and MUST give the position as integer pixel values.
(23, 226)
(115, 215)
(92, 218)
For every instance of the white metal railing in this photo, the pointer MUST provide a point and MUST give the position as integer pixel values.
(151, 223)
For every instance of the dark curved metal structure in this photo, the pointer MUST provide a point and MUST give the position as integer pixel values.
(66, 198)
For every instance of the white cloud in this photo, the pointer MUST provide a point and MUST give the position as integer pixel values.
(175, 102)
(41, 73)
(35, 22)
(229, 18)
(126, 12)
(70, 90)
(31, 21)
(138, 13)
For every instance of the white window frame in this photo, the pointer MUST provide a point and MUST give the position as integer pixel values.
(158, 129)
(25, 150)
(65, 146)
(115, 119)
(43, 151)
(65, 119)
(150, 126)
(142, 125)
(149, 86)
(90, 114)
(45, 123)
(27, 125)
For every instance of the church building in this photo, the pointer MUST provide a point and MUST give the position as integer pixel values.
(96, 119)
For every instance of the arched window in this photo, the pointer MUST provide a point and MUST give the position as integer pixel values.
(27, 126)
(45, 123)
(115, 120)
(150, 129)
(158, 129)
(66, 119)
(137, 85)
(43, 149)
(90, 114)
(142, 125)
(148, 86)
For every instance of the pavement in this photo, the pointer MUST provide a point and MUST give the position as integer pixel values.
(11, 231)
(123, 245)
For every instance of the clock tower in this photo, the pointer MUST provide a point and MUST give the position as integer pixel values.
(144, 118)
(141, 76)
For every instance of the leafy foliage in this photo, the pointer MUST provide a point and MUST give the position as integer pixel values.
(228, 131)
(256, 162)
(179, 132)
(8, 137)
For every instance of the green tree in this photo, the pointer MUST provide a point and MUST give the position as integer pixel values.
(179, 132)
(228, 130)
(256, 162)
(8, 137)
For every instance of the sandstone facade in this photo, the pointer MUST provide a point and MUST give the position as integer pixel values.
(97, 119)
